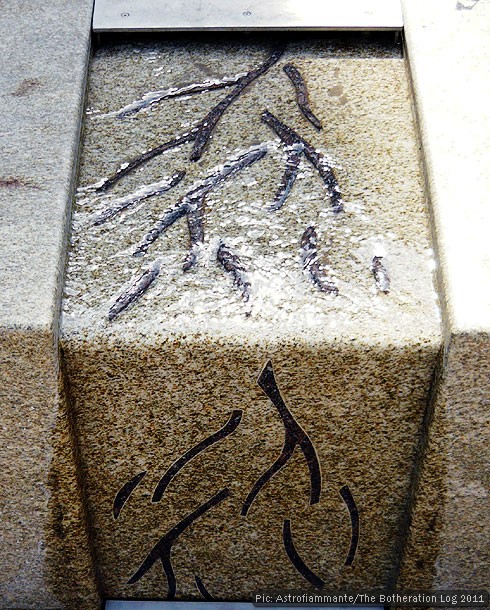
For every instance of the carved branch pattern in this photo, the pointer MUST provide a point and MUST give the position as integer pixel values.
(294, 436)
(163, 548)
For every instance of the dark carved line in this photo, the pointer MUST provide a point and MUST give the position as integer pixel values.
(202, 589)
(200, 133)
(309, 255)
(289, 177)
(191, 201)
(354, 517)
(163, 548)
(381, 276)
(211, 119)
(170, 574)
(313, 464)
(290, 137)
(167, 220)
(126, 202)
(296, 560)
(151, 99)
(195, 224)
(139, 285)
(285, 455)
(301, 94)
(196, 198)
(127, 167)
(268, 384)
(233, 265)
(294, 436)
(123, 494)
(230, 426)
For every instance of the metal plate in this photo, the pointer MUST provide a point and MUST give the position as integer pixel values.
(146, 605)
(215, 15)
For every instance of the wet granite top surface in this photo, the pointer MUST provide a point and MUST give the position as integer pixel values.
(358, 90)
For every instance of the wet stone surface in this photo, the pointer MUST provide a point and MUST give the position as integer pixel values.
(266, 322)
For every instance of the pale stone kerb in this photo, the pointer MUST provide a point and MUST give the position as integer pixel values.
(438, 270)
(464, 558)
(445, 41)
(44, 54)
(448, 541)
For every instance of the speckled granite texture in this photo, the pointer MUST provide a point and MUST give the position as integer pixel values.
(449, 539)
(46, 561)
(447, 547)
(44, 553)
(168, 372)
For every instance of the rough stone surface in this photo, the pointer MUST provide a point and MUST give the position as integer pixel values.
(169, 370)
(449, 541)
(44, 556)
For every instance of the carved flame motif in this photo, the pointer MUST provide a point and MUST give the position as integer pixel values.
(295, 436)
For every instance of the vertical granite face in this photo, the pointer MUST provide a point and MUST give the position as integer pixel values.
(239, 427)
(45, 560)
(449, 540)
(448, 543)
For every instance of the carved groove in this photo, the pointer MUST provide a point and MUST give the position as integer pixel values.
(301, 94)
(294, 436)
(309, 255)
(163, 548)
(194, 199)
(354, 518)
(139, 285)
(233, 265)
(123, 494)
(296, 560)
(210, 121)
(289, 176)
(199, 134)
(155, 97)
(319, 162)
(230, 426)
(202, 589)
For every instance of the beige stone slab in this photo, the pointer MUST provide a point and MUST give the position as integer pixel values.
(447, 48)
(354, 369)
(45, 560)
(140, 408)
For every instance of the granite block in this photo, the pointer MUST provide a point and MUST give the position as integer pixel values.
(45, 557)
(164, 365)
(448, 542)
(449, 535)
(41, 103)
